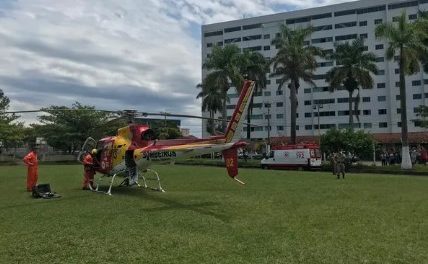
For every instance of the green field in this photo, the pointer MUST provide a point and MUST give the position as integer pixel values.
(204, 217)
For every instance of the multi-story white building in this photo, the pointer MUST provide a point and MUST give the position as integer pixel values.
(379, 106)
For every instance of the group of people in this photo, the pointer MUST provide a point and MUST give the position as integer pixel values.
(390, 158)
(417, 155)
(90, 165)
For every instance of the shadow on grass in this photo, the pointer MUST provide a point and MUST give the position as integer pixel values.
(200, 208)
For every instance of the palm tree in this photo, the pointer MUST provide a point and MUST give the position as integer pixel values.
(294, 62)
(254, 67)
(353, 68)
(223, 65)
(406, 39)
(212, 101)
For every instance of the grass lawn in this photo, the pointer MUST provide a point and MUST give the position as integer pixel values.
(204, 217)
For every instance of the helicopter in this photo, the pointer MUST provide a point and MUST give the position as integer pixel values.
(137, 143)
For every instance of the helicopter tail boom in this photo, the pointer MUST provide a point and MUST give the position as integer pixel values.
(234, 128)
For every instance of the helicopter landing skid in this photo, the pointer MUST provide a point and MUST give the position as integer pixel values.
(154, 178)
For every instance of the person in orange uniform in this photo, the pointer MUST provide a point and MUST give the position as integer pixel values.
(33, 165)
(88, 170)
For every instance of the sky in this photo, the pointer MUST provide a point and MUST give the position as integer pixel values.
(114, 55)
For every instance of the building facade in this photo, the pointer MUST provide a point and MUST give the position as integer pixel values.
(319, 109)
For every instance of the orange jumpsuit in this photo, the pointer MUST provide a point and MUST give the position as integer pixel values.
(89, 172)
(32, 175)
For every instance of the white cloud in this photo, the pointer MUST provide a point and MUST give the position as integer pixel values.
(113, 54)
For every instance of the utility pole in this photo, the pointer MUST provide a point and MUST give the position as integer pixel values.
(318, 106)
(269, 126)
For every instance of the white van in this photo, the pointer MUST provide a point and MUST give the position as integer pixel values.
(293, 156)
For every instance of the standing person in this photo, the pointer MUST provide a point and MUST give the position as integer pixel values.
(333, 161)
(340, 165)
(131, 166)
(88, 170)
(33, 165)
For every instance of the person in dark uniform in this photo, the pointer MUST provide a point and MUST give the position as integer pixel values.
(131, 167)
(340, 165)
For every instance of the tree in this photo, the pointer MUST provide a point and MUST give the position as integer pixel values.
(406, 40)
(353, 68)
(67, 128)
(223, 65)
(357, 143)
(294, 61)
(254, 67)
(212, 98)
(11, 132)
(422, 112)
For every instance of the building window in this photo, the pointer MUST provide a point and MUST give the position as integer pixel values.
(397, 97)
(209, 45)
(230, 106)
(381, 98)
(279, 104)
(232, 40)
(363, 23)
(397, 71)
(398, 110)
(246, 27)
(397, 84)
(325, 64)
(383, 125)
(324, 101)
(211, 34)
(413, 16)
(266, 36)
(345, 25)
(346, 37)
(321, 28)
(307, 90)
(322, 40)
(279, 92)
(366, 99)
(232, 29)
(367, 125)
(426, 95)
(279, 116)
(342, 100)
(416, 83)
(308, 114)
(308, 102)
(417, 96)
(380, 59)
(382, 111)
(395, 19)
(381, 85)
(266, 48)
(268, 116)
(267, 105)
(379, 46)
(267, 93)
(367, 112)
(258, 105)
(378, 21)
(280, 128)
(252, 37)
(364, 36)
(399, 124)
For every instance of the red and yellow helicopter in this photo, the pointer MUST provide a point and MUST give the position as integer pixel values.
(133, 149)
(137, 142)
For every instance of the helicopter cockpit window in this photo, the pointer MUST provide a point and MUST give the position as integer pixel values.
(148, 135)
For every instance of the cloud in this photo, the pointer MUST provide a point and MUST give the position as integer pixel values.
(113, 54)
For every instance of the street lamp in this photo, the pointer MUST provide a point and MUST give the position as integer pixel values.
(317, 107)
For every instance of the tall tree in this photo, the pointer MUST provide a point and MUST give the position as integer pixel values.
(406, 40)
(67, 128)
(352, 70)
(11, 131)
(254, 67)
(223, 67)
(212, 100)
(294, 61)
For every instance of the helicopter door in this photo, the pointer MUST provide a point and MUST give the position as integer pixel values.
(104, 155)
(89, 145)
